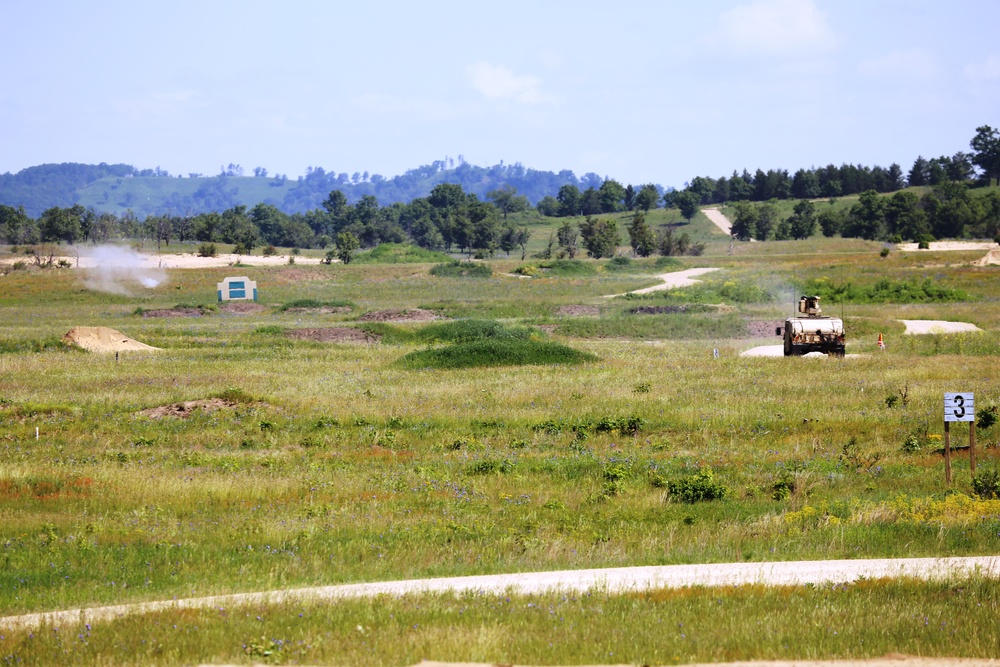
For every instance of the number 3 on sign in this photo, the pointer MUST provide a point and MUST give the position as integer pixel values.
(959, 407)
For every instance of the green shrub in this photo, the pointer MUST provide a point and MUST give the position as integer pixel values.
(620, 263)
(912, 444)
(567, 268)
(885, 290)
(697, 487)
(466, 331)
(495, 352)
(986, 484)
(526, 270)
(462, 270)
(400, 253)
(207, 250)
(986, 417)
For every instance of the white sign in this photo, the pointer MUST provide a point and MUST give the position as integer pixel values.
(959, 407)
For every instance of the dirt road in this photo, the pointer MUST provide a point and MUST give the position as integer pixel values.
(719, 220)
(937, 327)
(621, 579)
(670, 281)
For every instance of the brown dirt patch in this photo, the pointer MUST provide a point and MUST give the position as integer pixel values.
(763, 328)
(548, 328)
(242, 307)
(578, 311)
(186, 409)
(659, 310)
(333, 335)
(103, 339)
(324, 310)
(399, 315)
(173, 312)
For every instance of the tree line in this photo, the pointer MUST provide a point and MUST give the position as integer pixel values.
(448, 218)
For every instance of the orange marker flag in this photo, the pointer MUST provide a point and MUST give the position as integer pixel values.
(881, 343)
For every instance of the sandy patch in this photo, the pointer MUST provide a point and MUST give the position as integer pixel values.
(399, 315)
(990, 258)
(889, 660)
(181, 261)
(764, 351)
(577, 311)
(949, 245)
(103, 339)
(719, 220)
(186, 409)
(937, 327)
(333, 335)
(671, 280)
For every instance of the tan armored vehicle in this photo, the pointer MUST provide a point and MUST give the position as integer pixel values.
(811, 332)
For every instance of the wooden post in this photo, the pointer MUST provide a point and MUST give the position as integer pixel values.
(947, 452)
(972, 447)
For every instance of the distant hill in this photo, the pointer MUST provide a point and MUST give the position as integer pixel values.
(119, 188)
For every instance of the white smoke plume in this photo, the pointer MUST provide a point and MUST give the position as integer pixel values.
(112, 269)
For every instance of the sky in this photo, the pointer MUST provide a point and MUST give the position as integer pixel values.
(637, 90)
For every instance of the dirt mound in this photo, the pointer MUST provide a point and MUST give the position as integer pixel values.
(763, 328)
(333, 335)
(576, 311)
(399, 315)
(937, 327)
(103, 339)
(173, 312)
(185, 409)
(990, 258)
(242, 307)
(322, 310)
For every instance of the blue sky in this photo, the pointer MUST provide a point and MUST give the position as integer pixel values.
(641, 91)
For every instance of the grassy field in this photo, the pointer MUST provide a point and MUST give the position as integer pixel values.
(335, 462)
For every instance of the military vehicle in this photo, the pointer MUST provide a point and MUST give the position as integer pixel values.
(812, 332)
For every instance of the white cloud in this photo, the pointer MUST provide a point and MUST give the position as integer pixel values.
(988, 70)
(909, 65)
(496, 82)
(775, 27)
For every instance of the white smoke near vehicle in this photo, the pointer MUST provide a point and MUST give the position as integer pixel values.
(113, 269)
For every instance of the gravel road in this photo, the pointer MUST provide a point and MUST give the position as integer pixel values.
(611, 579)
(670, 281)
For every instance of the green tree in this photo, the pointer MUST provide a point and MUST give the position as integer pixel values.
(986, 145)
(612, 195)
(802, 224)
(831, 221)
(570, 200)
(919, 174)
(347, 245)
(507, 200)
(767, 220)
(867, 218)
(687, 202)
(60, 224)
(647, 198)
(744, 221)
(600, 237)
(16, 227)
(548, 206)
(641, 236)
(567, 236)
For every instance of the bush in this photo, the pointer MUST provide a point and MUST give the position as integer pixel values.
(885, 291)
(492, 467)
(986, 417)
(466, 331)
(987, 483)
(269, 251)
(911, 445)
(698, 487)
(207, 250)
(462, 270)
(400, 253)
(495, 352)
